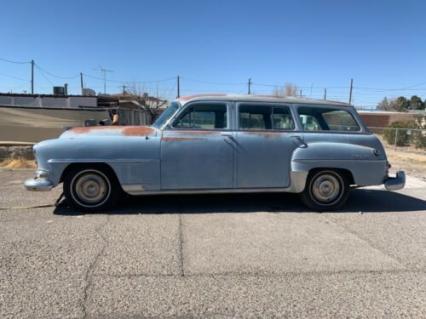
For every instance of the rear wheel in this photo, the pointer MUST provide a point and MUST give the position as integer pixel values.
(326, 190)
(91, 189)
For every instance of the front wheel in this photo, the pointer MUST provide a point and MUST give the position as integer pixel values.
(326, 190)
(90, 189)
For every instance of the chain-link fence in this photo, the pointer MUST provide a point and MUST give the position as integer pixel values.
(402, 138)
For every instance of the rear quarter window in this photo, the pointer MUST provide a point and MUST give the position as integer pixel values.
(316, 118)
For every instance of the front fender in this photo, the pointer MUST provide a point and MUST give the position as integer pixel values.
(134, 159)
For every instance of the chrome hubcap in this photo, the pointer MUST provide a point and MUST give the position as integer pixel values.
(91, 188)
(326, 188)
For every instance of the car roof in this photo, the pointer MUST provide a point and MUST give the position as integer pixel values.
(256, 98)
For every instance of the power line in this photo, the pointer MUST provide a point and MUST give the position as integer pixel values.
(15, 62)
(45, 77)
(54, 75)
(13, 77)
(213, 83)
(129, 81)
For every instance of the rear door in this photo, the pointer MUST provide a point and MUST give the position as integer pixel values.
(265, 143)
(195, 151)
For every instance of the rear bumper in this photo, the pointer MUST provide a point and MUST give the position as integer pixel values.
(395, 183)
(38, 184)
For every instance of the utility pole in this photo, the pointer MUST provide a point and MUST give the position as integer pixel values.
(300, 92)
(32, 76)
(124, 89)
(104, 76)
(156, 94)
(325, 94)
(249, 86)
(350, 91)
(178, 86)
(81, 83)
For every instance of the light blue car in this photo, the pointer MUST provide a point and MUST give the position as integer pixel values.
(220, 144)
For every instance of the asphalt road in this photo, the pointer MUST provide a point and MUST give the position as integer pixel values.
(213, 256)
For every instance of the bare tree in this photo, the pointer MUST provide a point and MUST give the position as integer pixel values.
(150, 104)
(288, 89)
(278, 91)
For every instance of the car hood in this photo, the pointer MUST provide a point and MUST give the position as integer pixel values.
(110, 131)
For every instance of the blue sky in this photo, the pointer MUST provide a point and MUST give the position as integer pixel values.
(217, 45)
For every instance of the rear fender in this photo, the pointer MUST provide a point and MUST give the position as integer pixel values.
(367, 165)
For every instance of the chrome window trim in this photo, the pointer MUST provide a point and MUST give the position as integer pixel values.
(166, 124)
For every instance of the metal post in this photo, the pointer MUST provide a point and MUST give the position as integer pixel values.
(178, 86)
(350, 91)
(396, 137)
(81, 83)
(32, 76)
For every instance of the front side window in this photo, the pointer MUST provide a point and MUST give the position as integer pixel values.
(265, 117)
(317, 118)
(203, 117)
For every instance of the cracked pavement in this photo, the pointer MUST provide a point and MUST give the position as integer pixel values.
(217, 256)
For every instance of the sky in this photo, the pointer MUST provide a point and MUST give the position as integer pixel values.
(216, 46)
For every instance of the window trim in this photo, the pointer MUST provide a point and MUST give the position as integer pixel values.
(351, 111)
(269, 104)
(171, 127)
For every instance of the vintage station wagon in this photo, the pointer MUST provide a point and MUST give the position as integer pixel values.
(220, 144)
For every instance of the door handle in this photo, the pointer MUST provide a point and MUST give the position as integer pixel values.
(300, 141)
(230, 139)
(228, 135)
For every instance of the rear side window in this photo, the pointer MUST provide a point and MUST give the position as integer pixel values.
(203, 116)
(326, 119)
(264, 117)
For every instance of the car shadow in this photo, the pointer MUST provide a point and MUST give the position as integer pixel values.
(360, 200)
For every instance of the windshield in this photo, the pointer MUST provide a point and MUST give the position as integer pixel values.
(166, 115)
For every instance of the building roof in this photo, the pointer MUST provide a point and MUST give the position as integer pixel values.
(45, 95)
(256, 98)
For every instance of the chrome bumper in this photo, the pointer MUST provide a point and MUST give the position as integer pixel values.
(38, 184)
(395, 183)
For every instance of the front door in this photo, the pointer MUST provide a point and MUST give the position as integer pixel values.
(265, 145)
(196, 152)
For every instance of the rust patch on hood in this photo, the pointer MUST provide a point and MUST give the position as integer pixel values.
(88, 129)
(137, 130)
(124, 130)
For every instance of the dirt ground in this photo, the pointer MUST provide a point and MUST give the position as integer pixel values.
(412, 163)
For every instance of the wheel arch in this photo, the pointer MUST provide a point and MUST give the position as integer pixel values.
(102, 166)
(346, 173)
